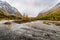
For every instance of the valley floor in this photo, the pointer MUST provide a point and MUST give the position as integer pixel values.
(36, 30)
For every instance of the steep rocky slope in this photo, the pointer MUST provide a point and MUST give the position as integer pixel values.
(55, 9)
(7, 8)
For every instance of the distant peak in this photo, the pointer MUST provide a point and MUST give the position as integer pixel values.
(58, 4)
(1, 0)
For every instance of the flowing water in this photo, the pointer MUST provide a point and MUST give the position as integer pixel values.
(29, 31)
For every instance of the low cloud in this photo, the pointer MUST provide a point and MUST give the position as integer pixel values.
(32, 7)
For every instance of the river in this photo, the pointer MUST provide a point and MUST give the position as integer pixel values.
(29, 31)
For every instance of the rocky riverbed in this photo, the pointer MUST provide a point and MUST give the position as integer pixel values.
(29, 31)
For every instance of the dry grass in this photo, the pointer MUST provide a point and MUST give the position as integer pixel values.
(45, 22)
(19, 22)
(55, 23)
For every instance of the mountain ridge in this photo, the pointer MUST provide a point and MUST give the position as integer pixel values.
(6, 7)
(52, 14)
(57, 6)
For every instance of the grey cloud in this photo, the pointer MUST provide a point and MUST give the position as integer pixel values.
(32, 7)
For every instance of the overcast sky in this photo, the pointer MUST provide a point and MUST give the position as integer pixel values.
(32, 7)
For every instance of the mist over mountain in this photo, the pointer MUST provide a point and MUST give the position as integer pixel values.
(56, 8)
(52, 14)
(8, 8)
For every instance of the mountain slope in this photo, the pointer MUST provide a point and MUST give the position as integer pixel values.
(8, 8)
(52, 14)
(55, 8)
(4, 16)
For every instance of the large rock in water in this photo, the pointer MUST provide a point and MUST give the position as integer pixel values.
(8, 8)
